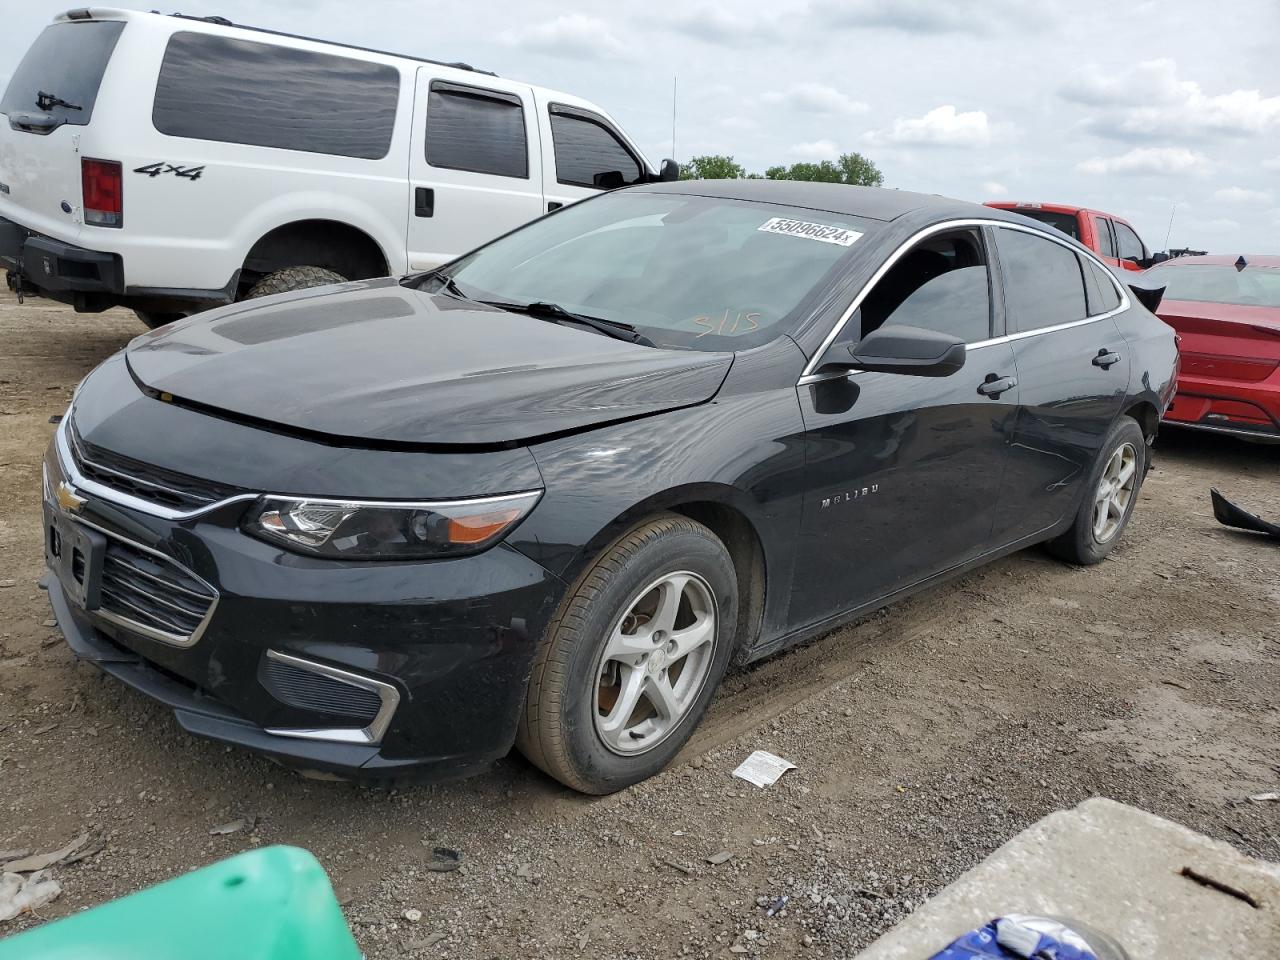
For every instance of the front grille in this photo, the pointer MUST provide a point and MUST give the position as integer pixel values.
(142, 480)
(143, 590)
(308, 690)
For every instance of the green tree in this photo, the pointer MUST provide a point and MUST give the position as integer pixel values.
(711, 167)
(851, 168)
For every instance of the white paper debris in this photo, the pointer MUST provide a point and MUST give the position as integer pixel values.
(19, 894)
(763, 768)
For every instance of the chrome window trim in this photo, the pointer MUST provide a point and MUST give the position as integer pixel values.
(162, 636)
(807, 375)
(370, 735)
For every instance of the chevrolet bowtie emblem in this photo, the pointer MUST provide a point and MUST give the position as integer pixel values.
(67, 497)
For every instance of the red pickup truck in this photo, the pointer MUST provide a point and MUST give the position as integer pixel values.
(1109, 236)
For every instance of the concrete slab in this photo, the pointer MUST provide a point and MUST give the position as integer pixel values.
(1163, 891)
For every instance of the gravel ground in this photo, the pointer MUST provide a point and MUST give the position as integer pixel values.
(924, 737)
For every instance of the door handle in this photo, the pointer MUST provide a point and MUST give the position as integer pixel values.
(1106, 359)
(995, 385)
(424, 202)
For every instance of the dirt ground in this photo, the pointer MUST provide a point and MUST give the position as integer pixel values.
(924, 737)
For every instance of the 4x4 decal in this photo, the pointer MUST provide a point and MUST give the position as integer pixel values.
(160, 166)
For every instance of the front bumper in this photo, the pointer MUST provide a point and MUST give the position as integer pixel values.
(448, 645)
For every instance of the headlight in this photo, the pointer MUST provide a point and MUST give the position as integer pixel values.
(389, 530)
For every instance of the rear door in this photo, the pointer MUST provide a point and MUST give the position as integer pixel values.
(475, 167)
(1073, 374)
(47, 105)
(1105, 240)
(583, 153)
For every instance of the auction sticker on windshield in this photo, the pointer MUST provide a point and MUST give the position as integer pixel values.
(810, 231)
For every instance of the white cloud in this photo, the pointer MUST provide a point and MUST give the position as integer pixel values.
(1149, 101)
(1242, 195)
(738, 123)
(993, 189)
(816, 150)
(1272, 163)
(942, 127)
(930, 17)
(815, 98)
(717, 23)
(570, 35)
(1157, 160)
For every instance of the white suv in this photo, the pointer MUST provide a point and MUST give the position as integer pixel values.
(170, 163)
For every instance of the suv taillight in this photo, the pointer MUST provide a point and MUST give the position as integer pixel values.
(103, 184)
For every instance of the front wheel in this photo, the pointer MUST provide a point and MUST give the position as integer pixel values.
(633, 657)
(1112, 494)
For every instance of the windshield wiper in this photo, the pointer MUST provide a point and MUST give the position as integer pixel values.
(47, 101)
(448, 283)
(558, 314)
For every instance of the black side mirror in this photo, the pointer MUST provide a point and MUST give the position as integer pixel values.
(669, 171)
(913, 351)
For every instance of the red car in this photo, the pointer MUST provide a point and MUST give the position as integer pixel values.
(1226, 310)
(1109, 236)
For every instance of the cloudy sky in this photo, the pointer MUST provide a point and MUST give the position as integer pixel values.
(1131, 107)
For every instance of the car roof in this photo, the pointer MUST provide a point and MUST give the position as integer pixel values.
(1226, 260)
(872, 203)
(1070, 208)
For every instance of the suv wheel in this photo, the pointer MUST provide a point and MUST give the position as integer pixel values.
(633, 658)
(293, 278)
(1112, 492)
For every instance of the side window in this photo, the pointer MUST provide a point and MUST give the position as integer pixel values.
(1100, 288)
(478, 130)
(269, 95)
(1043, 285)
(1106, 246)
(589, 154)
(1130, 246)
(941, 285)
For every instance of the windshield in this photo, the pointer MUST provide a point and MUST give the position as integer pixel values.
(695, 272)
(1066, 222)
(1217, 283)
(62, 71)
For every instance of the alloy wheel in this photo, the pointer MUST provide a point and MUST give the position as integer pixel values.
(655, 663)
(1115, 491)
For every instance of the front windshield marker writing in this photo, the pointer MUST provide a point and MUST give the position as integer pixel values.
(823, 232)
(719, 324)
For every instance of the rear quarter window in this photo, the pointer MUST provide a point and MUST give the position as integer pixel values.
(67, 61)
(267, 95)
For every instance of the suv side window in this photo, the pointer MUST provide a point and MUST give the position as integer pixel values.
(1043, 285)
(588, 153)
(269, 95)
(1106, 246)
(478, 130)
(942, 284)
(1131, 247)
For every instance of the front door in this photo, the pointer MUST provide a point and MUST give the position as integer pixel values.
(475, 170)
(903, 472)
(1073, 371)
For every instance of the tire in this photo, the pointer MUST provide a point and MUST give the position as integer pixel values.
(1083, 543)
(293, 278)
(153, 320)
(577, 690)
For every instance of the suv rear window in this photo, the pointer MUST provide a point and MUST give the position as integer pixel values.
(67, 62)
(1066, 222)
(268, 95)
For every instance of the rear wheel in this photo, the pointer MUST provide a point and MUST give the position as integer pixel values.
(293, 278)
(1113, 491)
(633, 658)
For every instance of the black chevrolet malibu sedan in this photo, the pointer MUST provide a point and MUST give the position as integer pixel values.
(546, 495)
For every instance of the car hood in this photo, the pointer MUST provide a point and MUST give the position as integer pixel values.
(377, 361)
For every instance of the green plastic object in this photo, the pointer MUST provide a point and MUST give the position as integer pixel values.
(270, 904)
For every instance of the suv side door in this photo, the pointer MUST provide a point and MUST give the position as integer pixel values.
(475, 170)
(902, 472)
(583, 153)
(1073, 373)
